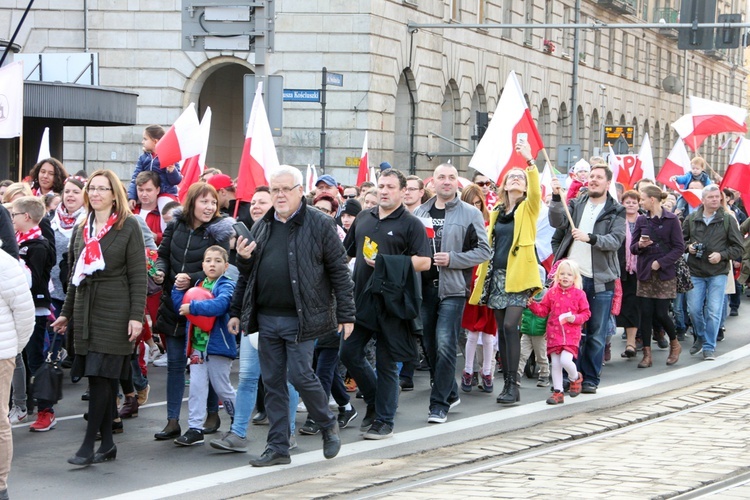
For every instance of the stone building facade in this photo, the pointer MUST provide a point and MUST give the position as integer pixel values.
(411, 90)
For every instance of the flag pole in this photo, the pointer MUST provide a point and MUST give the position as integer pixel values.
(565, 204)
(20, 158)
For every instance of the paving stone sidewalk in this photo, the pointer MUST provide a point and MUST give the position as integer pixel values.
(657, 460)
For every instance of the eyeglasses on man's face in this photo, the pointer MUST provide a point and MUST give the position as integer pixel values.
(483, 183)
(286, 190)
(350, 196)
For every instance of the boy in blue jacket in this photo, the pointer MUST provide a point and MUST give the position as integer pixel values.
(170, 176)
(211, 353)
(697, 173)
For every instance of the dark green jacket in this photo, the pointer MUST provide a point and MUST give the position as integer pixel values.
(105, 301)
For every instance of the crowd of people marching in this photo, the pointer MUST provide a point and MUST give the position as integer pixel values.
(344, 291)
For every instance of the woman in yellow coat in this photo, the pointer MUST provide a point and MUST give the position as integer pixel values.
(511, 276)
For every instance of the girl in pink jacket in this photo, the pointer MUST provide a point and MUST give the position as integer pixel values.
(568, 310)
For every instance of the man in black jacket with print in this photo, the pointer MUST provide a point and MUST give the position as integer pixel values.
(298, 289)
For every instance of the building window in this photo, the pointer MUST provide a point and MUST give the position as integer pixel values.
(548, 19)
(646, 75)
(624, 55)
(455, 10)
(481, 5)
(598, 49)
(507, 17)
(528, 18)
(611, 52)
(568, 18)
(636, 59)
(658, 66)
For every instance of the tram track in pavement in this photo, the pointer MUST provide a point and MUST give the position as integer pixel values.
(411, 475)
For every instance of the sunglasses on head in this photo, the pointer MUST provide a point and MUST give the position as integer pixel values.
(483, 183)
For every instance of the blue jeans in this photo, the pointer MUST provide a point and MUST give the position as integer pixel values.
(247, 390)
(441, 324)
(176, 361)
(380, 390)
(281, 355)
(678, 306)
(705, 301)
(327, 370)
(591, 351)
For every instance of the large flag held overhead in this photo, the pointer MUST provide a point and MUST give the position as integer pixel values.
(644, 164)
(182, 140)
(11, 100)
(677, 163)
(194, 166)
(364, 170)
(495, 153)
(737, 175)
(709, 118)
(259, 152)
(619, 173)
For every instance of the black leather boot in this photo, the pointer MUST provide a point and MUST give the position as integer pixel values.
(513, 394)
(171, 431)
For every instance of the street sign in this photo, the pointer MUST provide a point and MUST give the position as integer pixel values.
(335, 79)
(301, 95)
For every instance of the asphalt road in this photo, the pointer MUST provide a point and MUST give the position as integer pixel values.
(146, 468)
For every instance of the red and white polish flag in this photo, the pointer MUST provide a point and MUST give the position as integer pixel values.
(259, 152)
(709, 118)
(428, 227)
(644, 164)
(737, 175)
(182, 140)
(677, 163)
(311, 178)
(364, 170)
(194, 166)
(495, 153)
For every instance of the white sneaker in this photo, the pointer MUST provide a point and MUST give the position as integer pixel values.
(17, 415)
(332, 403)
(161, 360)
(153, 354)
(301, 408)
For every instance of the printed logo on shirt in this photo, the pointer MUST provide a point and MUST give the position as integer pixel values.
(390, 233)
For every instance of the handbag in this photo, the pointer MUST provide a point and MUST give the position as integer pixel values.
(47, 381)
(682, 272)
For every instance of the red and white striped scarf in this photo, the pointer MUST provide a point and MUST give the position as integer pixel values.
(32, 234)
(91, 258)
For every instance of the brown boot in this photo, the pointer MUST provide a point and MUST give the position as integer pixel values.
(674, 352)
(130, 407)
(646, 361)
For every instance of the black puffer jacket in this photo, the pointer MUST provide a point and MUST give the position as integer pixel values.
(322, 285)
(181, 251)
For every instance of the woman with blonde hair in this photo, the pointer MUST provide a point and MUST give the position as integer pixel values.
(511, 275)
(106, 298)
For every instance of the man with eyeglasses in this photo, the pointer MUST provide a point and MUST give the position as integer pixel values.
(387, 229)
(484, 182)
(351, 193)
(298, 290)
(459, 244)
(414, 193)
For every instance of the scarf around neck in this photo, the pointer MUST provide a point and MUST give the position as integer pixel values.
(66, 220)
(91, 258)
(32, 234)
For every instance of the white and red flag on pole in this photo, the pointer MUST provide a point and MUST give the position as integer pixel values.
(311, 178)
(182, 140)
(737, 175)
(495, 153)
(11, 107)
(259, 153)
(364, 170)
(709, 118)
(677, 163)
(44, 152)
(644, 163)
(619, 172)
(692, 196)
(194, 166)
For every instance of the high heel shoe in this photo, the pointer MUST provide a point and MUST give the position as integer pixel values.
(106, 456)
(81, 461)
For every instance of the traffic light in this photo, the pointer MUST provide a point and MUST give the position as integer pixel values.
(728, 38)
(483, 120)
(695, 12)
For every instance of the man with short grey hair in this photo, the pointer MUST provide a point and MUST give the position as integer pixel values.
(713, 241)
(298, 289)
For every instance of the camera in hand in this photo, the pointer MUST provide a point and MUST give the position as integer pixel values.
(699, 249)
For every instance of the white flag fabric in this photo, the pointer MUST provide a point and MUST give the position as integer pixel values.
(44, 146)
(644, 168)
(11, 100)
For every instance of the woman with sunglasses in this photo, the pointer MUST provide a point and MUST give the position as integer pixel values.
(511, 276)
